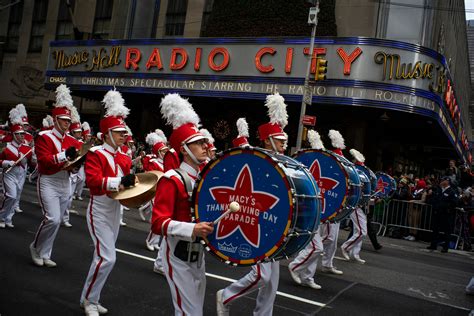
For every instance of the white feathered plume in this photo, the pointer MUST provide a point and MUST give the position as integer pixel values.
(337, 141)
(315, 139)
(21, 108)
(208, 135)
(178, 111)
(114, 104)
(162, 135)
(15, 116)
(86, 126)
(242, 127)
(48, 121)
(358, 156)
(285, 144)
(277, 109)
(129, 131)
(63, 97)
(75, 118)
(152, 138)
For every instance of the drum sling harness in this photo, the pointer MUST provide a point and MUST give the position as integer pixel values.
(185, 250)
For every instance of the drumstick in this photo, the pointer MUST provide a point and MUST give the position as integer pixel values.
(16, 162)
(233, 207)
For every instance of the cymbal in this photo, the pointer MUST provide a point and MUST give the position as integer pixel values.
(142, 192)
(69, 165)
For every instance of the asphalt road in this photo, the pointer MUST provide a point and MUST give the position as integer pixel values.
(402, 279)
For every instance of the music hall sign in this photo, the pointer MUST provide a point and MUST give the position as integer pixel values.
(360, 71)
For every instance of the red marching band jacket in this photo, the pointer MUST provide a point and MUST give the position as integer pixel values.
(154, 164)
(50, 147)
(104, 169)
(172, 204)
(13, 153)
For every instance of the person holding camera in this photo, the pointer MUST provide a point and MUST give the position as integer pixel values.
(53, 149)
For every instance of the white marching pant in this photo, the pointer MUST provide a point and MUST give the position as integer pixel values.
(306, 262)
(187, 280)
(329, 234)
(65, 216)
(12, 187)
(153, 239)
(53, 193)
(81, 181)
(21, 183)
(103, 221)
(359, 223)
(263, 277)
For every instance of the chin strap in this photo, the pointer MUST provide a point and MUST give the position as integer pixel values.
(190, 153)
(112, 139)
(59, 126)
(273, 144)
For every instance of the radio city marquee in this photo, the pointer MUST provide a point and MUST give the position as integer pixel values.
(247, 67)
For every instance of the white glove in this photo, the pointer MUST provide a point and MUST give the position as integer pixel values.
(7, 163)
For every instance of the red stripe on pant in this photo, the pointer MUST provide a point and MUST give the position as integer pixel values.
(328, 232)
(43, 222)
(307, 257)
(96, 272)
(360, 232)
(170, 272)
(247, 288)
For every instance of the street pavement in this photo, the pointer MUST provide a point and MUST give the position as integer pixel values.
(401, 279)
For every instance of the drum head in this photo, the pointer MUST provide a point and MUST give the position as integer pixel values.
(370, 175)
(386, 185)
(257, 181)
(331, 177)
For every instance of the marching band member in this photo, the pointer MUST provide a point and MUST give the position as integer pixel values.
(75, 130)
(303, 267)
(14, 171)
(107, 169)
(263, 277)
(330, 231)
(157, 140)
(81, 179)
(243, 128)
(53, 149)
(28, 140)
(183, 254)
(351, 248)
(211, 149)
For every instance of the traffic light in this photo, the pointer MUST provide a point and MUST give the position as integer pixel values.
(321, 69)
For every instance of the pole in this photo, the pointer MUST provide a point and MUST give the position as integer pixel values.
(307, 95)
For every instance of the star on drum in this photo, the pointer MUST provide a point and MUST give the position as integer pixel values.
(324, 184)
(252, 203)
(381, 185)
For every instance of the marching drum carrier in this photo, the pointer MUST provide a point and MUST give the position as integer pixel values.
(279, 206)
(337, 179)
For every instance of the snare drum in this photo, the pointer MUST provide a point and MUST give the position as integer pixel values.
(337, 179)
(386, 185)
(279, 205)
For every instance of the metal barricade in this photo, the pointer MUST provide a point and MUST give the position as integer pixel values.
(411, 215)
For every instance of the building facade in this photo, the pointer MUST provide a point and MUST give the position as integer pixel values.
(393, 133)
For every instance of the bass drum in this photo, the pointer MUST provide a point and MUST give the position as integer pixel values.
(365, 188)
(386, 185)
(279, 206)
(337, 179)
(371, 175)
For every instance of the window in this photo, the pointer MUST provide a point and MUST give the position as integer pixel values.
(65, 28)
(103, 15)
(176, 17)
(14, 22)
(205, 15)
(38, 25)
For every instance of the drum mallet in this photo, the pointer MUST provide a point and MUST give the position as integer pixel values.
(233, 207)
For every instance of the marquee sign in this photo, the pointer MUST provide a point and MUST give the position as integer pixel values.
(361, 71)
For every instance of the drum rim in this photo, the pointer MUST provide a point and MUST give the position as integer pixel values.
(346, 178)
(194, 203)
